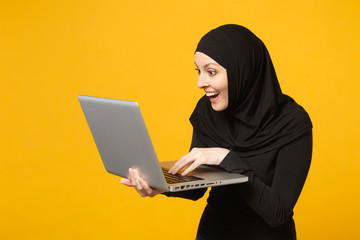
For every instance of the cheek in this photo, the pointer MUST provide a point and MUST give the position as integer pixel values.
(226, 99)
(224, 84)
(225, 90)
(226, 95)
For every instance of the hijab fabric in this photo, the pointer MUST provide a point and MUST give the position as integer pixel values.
(259, 117)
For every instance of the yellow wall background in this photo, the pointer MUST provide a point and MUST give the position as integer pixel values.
(52, 181)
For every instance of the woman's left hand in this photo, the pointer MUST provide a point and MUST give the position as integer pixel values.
(198, 156)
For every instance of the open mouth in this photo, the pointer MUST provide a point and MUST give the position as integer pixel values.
(212, 95)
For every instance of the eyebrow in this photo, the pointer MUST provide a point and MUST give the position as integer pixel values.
(206, 65)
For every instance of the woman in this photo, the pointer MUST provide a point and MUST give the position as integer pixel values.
(244, 124)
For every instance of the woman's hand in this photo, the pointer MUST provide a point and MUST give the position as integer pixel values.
(198, 156)
(140, 184)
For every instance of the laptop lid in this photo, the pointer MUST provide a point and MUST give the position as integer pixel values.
(122, 139)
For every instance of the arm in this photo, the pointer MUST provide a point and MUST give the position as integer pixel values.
(274, 202)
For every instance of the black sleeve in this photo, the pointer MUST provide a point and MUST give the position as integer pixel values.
(190, 194)
(274, 202)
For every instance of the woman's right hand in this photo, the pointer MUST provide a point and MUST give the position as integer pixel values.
(140, 185)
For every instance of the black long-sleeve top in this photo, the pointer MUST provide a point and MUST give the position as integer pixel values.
(261, 208)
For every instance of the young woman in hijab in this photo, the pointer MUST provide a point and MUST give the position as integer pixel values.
(246, 125)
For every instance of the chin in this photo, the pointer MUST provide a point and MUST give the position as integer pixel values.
(218, 108)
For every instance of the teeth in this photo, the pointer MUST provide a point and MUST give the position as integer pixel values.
(212, 94)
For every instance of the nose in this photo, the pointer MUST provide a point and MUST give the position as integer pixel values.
(202, 82)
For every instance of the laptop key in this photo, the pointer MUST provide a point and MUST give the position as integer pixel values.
(178, 178)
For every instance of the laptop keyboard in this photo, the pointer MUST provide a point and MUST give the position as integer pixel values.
(178, 178)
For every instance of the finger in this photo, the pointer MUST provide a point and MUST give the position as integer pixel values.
(186, 156)
(192, 167)
(180, 162)
(177, 166)
(126, 182)
(137, 179)
(147, 189)
(131, 176)
(183, 163)
(137, 185)
(134, 179)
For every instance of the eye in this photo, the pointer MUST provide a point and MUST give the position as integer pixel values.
(212, 72)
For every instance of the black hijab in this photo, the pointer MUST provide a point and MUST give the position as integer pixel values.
(259, 117)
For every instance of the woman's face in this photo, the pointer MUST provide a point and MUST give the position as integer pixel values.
(213, 79)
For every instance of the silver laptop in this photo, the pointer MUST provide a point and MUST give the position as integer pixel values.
(123, 141)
